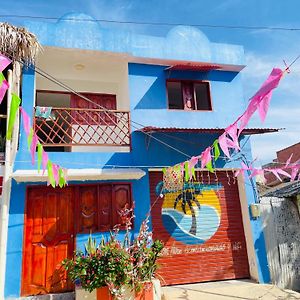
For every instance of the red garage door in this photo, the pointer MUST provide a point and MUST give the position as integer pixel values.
(202, 230)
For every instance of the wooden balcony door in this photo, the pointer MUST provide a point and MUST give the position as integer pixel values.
(107, 101)
(49, 238)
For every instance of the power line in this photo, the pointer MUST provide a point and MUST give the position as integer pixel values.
(242, 27)
(66, 87)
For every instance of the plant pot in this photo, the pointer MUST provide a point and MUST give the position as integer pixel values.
(146, 294)
(104, 294)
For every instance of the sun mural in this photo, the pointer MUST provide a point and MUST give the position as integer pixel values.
(193, 215)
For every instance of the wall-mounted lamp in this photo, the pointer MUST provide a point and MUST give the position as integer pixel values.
(255, 210)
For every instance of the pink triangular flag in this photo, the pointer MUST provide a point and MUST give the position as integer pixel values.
(288, 160)
(3, 89)
(263, 106)
(4, 62)
(294, 174)
(26, 121)
(205, 157)
(282, 172)
(274, 171)
(45, 159)
(232, 131)
(256, 172)
(271, 83)
(223, 144)
(242, 169)
(33, 147)
(263, 94)
(191, 164)
(55, 168)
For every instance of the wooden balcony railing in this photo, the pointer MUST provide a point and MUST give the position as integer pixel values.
(83, 127)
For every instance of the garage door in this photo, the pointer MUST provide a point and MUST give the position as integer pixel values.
(202, 230)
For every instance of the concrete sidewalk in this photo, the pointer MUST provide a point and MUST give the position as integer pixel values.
(225, 290)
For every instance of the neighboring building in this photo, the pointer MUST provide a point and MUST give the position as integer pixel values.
(181, 89)
(280, 214)
(281, 157)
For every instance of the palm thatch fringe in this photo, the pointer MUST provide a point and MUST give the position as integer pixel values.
(18, 44)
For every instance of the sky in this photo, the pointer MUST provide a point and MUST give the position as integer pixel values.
(264, 49)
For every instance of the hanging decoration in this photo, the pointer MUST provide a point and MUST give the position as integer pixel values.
(56, 174)
(173, 178)
(229, 140)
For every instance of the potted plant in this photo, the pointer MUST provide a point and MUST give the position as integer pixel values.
(117, 269)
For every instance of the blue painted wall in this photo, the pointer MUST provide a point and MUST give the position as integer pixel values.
(181, 43)
(155, 155)
(148, 105)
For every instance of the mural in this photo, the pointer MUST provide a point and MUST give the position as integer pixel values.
(193, 215)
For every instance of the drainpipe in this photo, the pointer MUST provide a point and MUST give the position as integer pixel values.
(10, 153)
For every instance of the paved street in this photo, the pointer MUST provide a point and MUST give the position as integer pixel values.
(225, 290)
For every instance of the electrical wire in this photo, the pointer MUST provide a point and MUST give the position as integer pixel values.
(235, 27)
(68, 88)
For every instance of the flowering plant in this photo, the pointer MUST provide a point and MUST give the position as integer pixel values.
(115, 264)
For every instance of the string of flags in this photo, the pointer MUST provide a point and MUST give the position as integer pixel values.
(228, 142)
(174, 176)
(57, 176)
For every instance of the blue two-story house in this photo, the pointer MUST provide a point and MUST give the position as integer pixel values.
(121, 107)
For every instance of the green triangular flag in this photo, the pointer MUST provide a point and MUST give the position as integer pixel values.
(164, 170)
(210, 167)
(216, 149)
(50, 173)
(186, 171)
(194, 173)
(1, 78)
(61, 180)
(14, 106)
(39, 155)
(29, 138)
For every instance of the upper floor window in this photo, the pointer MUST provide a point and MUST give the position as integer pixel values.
(189, 95)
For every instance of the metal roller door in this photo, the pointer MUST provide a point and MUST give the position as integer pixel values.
(203, 235)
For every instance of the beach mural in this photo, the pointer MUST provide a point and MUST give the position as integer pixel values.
(193, 215)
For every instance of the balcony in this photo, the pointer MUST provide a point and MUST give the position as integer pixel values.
(69, 128)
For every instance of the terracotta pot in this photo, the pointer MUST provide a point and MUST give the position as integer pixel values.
(104, 294)
(146, 294)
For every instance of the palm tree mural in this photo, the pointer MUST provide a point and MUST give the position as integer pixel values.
(188, 197)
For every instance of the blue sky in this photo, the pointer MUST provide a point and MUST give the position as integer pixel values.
(264, 49)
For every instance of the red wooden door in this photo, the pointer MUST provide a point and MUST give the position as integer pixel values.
(49, 238)
(106, 101)
(212, 247)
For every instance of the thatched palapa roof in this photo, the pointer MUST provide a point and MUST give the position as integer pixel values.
(18, 44)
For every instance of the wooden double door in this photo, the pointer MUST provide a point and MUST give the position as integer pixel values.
(53, 217)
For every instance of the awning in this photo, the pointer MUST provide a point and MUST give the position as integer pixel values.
(82, 174)
(247, 131)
